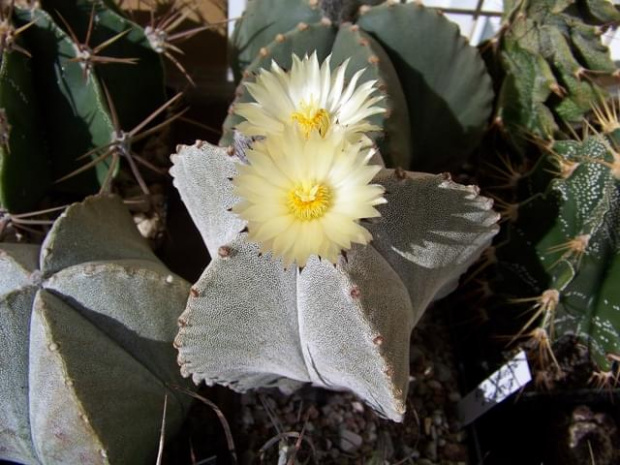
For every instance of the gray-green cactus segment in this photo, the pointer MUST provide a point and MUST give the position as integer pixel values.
(560, 42)
(446, 89)
(363, 51)
(136, 90)
(261, 22)
(582, 206)
(343, 327)
(73, 107)
(87, 354)
(24, 165)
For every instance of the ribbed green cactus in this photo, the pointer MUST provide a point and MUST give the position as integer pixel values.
(561, 257)
(56, 60)
(547, 59)
(439, 95)
(250, 323)
(86, 356)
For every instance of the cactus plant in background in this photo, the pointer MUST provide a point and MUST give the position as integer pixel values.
(438, 94)
(57, 59)
(85, 342)
(343, 326)
(546, 61)
(559, 256)
(555, 256)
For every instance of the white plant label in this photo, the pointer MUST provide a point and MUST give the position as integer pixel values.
(507, 380)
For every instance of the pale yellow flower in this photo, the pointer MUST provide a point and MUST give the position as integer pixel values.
(305, 196)
(311, 97)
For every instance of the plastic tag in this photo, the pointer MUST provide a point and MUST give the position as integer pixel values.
(508, 379)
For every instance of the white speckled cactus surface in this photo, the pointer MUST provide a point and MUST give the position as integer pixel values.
(251, 323)
(86, 355)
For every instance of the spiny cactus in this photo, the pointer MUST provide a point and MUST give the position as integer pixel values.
(76, 79)
(546, 60)
(560, 254)
(439, 95)
(86, 350)
(250, 323)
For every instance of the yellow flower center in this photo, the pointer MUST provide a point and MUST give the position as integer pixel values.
(309, 201)
(309, 118)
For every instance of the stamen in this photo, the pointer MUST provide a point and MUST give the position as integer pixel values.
(309, 201)
(310, 118)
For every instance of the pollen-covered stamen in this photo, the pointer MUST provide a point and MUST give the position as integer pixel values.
(310, 117)
(309, 201)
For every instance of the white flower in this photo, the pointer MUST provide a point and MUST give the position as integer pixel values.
(305, 196)
(310, 97)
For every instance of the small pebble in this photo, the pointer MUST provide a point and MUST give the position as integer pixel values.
(349, 441)
(443, 373)
(430, 450)
(454, 452)
(434, 384)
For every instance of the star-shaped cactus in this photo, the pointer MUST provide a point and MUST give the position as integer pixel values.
(250, 323)
(86, 356)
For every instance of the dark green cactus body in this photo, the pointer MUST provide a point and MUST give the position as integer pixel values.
(24, 165)
(73, 107)
(549, 53)
(86, 342)
(68, 112)
(565, 240)
(438, 93)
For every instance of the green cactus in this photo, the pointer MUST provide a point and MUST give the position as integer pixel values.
(24, 166)
(85, 342)
(47, 63)
(545, 60)
(339, 327)
(563, 251)
(439, 95)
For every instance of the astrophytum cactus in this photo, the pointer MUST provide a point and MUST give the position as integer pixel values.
(251, 323)
(559, 256)
(438, 93)
(86, 356)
